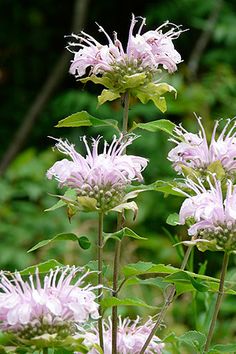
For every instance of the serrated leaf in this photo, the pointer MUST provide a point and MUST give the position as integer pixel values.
(194, 339)
(125, 232)
(161, 124)
(173, 219)
(113, 301)
(63, 237)
(107, 95)
(42, 267)
(84, 119)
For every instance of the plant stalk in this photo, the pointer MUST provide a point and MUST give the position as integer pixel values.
(100, 277)
(218, 300)
(120, 225)
(168, 301)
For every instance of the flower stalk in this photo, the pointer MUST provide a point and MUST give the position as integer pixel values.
(168, 301)
(218, 301)
(100, 276)
(120, 222)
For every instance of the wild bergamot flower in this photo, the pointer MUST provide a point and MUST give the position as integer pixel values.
(101, 176)
(135, 69)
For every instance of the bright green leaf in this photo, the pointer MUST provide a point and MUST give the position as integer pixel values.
(125, 232)
(42, 267)
(161, 124)
(107, 95)
(84, 119)
(63, 237)
(193, 339)
(69, 196)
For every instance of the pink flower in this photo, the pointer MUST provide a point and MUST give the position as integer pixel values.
(32, 308)
(145, 51)
(102, 176)
(130, 337)
(212, 216)
(193, 150)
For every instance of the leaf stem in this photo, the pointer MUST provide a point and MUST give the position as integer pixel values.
(218, 300)
(168, 301)
(100, 276)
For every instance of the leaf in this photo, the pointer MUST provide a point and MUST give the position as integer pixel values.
(84, 119)
(104, 80)
(173, 219)
(183, 277)
(154, 92)
(126, 206)
(223, 348)
(118, 235)
(217, 168)
(161, 124)
(42, 267)
(113, 301)
(194, 339)
(83, 241)
(133, 81)
(167, 188)
(87, 204)
(107, 95)
(70, 195)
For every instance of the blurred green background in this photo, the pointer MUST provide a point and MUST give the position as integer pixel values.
(37, 91)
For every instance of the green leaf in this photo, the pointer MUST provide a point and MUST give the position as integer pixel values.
(42, 267)
(161, 124)
(107, 95)
(173, 219)
(125, 232)
(183, 277)
(113, 301)
(87, 204)
(104, 80)
(83, 241)
(133, 81)
(167, 188)
(193, 339)
(84, 119)
(69, 196)
(223, 348)
(154, 93)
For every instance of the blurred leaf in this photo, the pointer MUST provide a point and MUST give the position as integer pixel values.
(195, 340)
(173, 219)
(82, 240)
(113, 301)
(222, 348)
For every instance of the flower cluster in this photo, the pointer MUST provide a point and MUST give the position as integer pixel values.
(211, 214)
(101, 176)
(33, 308)
(144, 52)
(193, 151)
(131, 336)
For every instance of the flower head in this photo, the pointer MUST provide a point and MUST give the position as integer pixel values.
(101, 176)
(212, 212)
(134, 69)
(52, 306)
(131, 336)
(193, 150)
(145, 51)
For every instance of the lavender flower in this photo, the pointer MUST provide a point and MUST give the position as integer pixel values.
(33, 308)
(144, 52)
(193, 150)
(131, 336)
(101, 176)
(211, 213)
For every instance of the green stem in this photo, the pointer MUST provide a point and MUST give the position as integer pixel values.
(218, 300)
(100, 277)
(168, 301)
(120, 225)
